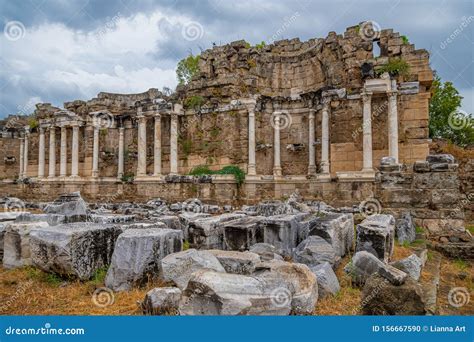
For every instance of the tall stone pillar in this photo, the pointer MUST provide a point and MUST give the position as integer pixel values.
(22, 157)
(63, 153)
(41, 152)
(276, 144)
(75, 152)
(141, 163)
(311, 150)
(174, 144)
(157, 146)
(95, 151)
(25, 154)
(325, 166)
(251, 167)
(121, 151)
(367, 131)
(392, 125)
(52, 152)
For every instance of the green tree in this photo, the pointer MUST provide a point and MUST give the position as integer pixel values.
(187, 68)
(447, 121)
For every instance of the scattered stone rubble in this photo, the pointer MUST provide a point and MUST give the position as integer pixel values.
(274, 258)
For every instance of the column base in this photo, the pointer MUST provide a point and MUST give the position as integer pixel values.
(277, 172)
(356, 176)
(312, 170)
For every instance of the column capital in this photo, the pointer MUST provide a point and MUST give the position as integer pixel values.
(392, 93)
(312, 112)
(366, 95)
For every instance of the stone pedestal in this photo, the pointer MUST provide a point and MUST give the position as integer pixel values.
(367, 131)
(41, 151)
(52, 152)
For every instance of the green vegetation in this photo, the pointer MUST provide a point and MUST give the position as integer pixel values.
(194, 102)
(187, 68)
(128, 177)
(33, 123)
(185, 245)
(261, 45)
(461, 264)
(48, 278)
(395, 66)
(103, 132)
(99, 276)
(419, 230)
(238, 173)
(405, 40)
(446, 120)
(470, 229)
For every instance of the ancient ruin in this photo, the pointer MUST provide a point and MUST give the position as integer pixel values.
(334, 144)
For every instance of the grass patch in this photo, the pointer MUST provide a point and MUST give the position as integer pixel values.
(419, 230)
(395, 66)
(470, 229)
(460, 264)
(99, 276)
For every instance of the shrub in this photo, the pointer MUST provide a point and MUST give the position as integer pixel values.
(187, 68)
(238, 173)
(395, 66)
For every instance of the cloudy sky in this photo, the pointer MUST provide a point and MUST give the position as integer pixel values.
(61, 50)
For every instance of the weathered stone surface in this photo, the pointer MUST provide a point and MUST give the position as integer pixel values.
(336, 229)
(75, 249)
(185, 218)
(213, 293)
(169, 221)
(161, 301)
(380, 297)
(11, 215)
(178, 267)
(362, 266)
(303, 284)
(328, 284)
(411, 265)
(376, 235)
(2, 233)
(266, 251)
(51, 219)
(281, 231)
(207, 233)
(440, 158)
(72, 206)
(16, 243)
(237, 262)
(315, 250)
(137, 256)
(405, 228)
(241, 234)
(393, 275)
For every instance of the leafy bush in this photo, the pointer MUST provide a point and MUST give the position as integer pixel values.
(33, 123)
(194, 102)
(187, 68)
(238, 173)
(395, 66)
(405, 40)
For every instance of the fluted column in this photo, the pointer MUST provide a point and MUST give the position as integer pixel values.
(367, 131)
(41, 152)
(22, 157)
(75, 152)
(63, 153)
(120, 153)
(276, 144)
(174, 144)
(311, 152)
(392, 125)
(52, 152)
(95, 151)
(25, 154)
(325, 166)
(251, 167)
(157, 146)
(141, 163)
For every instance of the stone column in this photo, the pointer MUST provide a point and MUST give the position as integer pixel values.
(174, 144)
(75, 152)
(120, 153)
(25, 154)
(141, 163)
(22, 157)
(325, 139)
(311, 152)
(276, 144)
(95, 150)
(63, 153)
(251, 167)
(41, 151)
(392, 125)
(52, 152)
(157, 146)
(367, 131)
